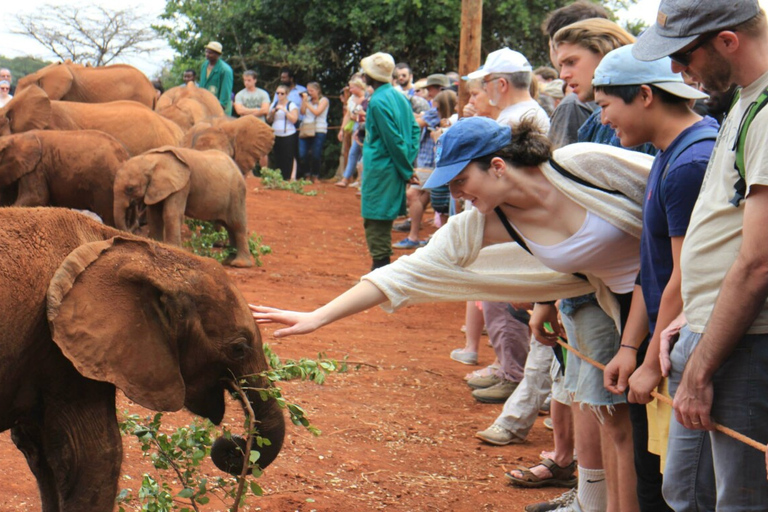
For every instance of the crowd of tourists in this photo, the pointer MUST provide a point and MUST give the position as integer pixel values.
(622, 214)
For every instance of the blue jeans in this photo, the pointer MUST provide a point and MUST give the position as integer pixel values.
(311, 155)
(355, 154)
(741, 403)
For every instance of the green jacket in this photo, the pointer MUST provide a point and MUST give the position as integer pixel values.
(219, 82)
(391, 146)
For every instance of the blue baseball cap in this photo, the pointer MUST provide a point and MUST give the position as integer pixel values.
(469, 139)
(620, 67)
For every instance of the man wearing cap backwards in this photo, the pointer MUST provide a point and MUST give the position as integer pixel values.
(647, 102)
(391, 145)
(217, 76)
(722, 352)
(506, 77)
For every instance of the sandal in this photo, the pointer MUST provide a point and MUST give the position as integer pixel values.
(561, 476)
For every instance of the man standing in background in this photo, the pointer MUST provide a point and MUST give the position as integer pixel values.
(217, 76)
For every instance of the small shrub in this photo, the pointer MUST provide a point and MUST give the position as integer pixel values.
(273, 179)
(207, 241)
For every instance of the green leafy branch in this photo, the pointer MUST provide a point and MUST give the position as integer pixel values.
(207, 241)
(272, 179)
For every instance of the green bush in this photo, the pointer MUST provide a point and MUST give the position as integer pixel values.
(207, 241)
(273, 179)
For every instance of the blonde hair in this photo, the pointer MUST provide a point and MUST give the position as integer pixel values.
(445, 102)
(598, 35)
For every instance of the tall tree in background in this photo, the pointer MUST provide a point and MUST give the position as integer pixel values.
(93, 34)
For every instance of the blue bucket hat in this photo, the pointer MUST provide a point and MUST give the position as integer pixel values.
(620, 67)
(467, 140)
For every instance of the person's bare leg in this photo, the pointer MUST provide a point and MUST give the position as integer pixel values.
(618, 456)
(417, 202)
(591, 490)
(474, 323)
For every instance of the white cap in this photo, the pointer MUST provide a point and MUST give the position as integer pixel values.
(502, 61)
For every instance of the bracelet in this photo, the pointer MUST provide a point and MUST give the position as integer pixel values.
(629, 346)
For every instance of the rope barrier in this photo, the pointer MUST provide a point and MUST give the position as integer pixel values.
(720, 428)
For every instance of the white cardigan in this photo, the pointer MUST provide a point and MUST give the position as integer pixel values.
(455, 267)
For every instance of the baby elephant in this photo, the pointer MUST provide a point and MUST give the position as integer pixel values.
(75, 169)
(173, 182)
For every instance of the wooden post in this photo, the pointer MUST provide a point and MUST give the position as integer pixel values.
(469, 45)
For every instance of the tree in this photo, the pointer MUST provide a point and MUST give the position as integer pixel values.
(93, 35)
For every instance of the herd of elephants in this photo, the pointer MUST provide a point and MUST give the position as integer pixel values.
(90, 307)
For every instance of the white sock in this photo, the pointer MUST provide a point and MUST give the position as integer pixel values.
(592, 490)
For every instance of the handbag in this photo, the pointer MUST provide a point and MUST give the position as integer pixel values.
(307, 129)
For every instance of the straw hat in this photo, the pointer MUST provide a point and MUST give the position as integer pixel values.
(379, 66)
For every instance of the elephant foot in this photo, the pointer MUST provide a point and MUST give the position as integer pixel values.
(240, 262)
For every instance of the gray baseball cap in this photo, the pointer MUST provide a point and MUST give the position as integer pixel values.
(680, 22)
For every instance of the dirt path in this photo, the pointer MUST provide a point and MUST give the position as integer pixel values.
(397, 432)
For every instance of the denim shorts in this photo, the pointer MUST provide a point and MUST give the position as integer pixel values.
(593, 333)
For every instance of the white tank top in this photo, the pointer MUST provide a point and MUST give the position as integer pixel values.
(598, 248)
(321, 123)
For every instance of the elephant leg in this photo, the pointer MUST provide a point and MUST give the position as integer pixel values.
(238, 237)
(33, 191)
(173, 217)
(155, 221)
(28, 438)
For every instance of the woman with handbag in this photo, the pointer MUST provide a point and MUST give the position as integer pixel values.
(283, 115)
(355, 115)
(312, 132)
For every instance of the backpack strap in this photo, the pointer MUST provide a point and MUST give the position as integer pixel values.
(741, 141)
(691, 138)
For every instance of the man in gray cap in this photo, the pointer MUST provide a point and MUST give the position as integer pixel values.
(217, 76)
(721, 358)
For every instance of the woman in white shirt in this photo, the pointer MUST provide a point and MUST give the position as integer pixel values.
(314, 108)
(5, 96)
(283, 116)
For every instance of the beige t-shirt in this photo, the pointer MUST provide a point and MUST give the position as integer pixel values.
(714, 235)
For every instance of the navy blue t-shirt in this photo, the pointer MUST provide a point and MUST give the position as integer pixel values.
(667, 214)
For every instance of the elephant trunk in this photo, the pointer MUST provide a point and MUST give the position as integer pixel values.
(227, 454)
(119, 209)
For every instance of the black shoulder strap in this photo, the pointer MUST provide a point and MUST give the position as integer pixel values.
(568, 174)
(519, 239)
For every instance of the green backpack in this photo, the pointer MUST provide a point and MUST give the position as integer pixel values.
(741, 139)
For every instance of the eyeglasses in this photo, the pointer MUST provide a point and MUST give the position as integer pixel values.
(5, 88)
(684, 58)
(486, 82)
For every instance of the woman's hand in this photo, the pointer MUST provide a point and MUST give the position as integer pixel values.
(298, 323)
(618, 370)
(545, 313)
(470, 110)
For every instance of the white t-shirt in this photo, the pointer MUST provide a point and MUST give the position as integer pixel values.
(280, 125)
(513, 114)
(714, 234)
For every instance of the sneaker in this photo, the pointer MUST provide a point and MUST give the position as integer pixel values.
(406, 243)
(354, 184)
(561, 503)
(483, 381)
(548, 424)
(498, 436)
(496, 394)
(464, 357)
(403, 227)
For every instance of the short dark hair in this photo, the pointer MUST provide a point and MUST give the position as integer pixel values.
(191, 71)
(251, 73)
(403, 65)
(628, 93)
(546, 73)
(577, 11)
(289, 72)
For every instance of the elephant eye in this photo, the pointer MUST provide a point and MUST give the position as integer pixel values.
(239, 349)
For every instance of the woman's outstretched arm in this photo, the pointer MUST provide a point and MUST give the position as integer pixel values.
(360, 297)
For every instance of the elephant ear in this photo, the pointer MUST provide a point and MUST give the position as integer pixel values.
(169, 175)
(30, 109)
(19, 155)
(111, 317)
(252, 138)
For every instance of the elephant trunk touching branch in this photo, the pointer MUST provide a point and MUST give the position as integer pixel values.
(89, 309)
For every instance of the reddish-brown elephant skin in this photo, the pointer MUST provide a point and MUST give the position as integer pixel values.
(74, 169)
(89, 309)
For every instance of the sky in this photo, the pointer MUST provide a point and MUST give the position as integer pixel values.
(12, 45)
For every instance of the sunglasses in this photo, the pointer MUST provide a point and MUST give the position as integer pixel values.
(684, 58)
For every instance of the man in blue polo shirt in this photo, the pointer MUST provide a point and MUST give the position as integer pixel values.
(646, 102)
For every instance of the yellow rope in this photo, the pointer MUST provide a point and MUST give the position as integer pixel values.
(720, 428)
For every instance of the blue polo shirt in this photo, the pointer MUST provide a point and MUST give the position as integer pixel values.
(667, 210)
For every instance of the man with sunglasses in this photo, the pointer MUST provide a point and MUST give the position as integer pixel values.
(721, 358)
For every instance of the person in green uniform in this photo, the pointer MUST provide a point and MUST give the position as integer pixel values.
(216, 76)
(391, 146)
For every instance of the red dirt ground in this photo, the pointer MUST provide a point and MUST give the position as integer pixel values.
(397, 431)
